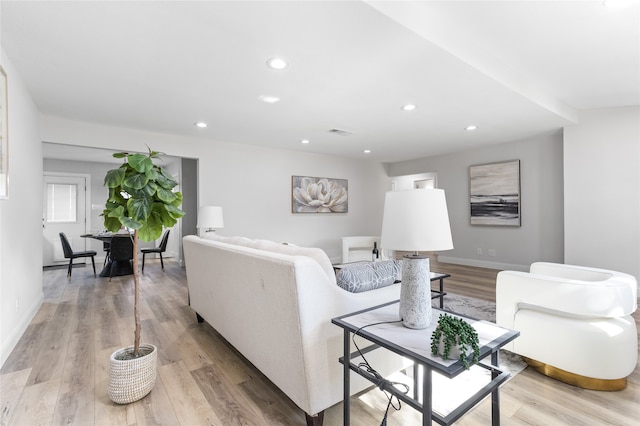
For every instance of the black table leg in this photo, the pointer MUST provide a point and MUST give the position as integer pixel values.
(495, 395)
(416, 376)
(346, 379)
(427, 401)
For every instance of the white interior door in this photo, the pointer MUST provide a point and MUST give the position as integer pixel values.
(65, 204)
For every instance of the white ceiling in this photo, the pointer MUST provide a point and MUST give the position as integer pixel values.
(513, 68)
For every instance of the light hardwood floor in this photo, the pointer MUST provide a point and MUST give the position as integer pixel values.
(57, 374)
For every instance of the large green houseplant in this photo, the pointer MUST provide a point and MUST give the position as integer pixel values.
(141, 199)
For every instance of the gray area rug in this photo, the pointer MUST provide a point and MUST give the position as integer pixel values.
(475, 308)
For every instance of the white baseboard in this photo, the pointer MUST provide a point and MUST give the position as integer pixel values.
(10, 343)
(483, 264)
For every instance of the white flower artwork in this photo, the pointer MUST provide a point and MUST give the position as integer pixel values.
(319, 195)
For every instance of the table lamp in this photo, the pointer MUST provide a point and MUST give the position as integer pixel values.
(416, 220)
(209, 218)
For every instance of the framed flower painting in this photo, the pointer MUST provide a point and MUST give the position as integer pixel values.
(319, 195)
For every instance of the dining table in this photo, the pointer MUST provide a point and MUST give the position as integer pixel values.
(120, 266)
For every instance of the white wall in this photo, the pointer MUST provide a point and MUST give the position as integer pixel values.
(20, 217)
(253, 184)
(540, 238)
(602, 190)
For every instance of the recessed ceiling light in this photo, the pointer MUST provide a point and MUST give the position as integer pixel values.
(276, 63)
(408, 107)
(200, 124)
(305, 141)
(472, 127)
(269, 99)
(367, 151)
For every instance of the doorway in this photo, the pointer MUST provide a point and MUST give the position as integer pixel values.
(416, 181)
(65, 209)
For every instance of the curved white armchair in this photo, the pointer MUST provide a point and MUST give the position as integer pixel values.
(358, 248)
(575, 322)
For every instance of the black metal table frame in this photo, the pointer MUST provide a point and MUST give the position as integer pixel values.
(439, 293)
(497, 376)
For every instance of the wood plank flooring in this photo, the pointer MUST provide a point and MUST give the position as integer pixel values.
(57, 374)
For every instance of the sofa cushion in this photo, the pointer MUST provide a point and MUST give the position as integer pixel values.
(289, 249)
(238, 241)
(314, 253)
(367, 276)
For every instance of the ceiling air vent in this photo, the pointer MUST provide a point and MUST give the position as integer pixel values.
(340, 132)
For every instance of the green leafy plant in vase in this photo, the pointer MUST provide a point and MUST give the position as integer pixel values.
(453, 333)
(141, 199)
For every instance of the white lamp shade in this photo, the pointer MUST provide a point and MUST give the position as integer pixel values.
(210, 217)
(416, 220)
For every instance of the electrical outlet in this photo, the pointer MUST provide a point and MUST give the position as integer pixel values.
(492, 253)
(479, 251)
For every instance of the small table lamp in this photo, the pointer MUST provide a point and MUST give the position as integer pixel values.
(416, 220)
(209, 218)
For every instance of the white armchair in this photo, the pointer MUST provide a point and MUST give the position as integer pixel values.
(575, 322)
(358, 248)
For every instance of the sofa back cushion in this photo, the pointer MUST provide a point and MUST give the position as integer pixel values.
(367, 276)
(238, 241)
(314, 253)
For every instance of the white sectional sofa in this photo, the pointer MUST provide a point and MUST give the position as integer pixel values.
(274, 303)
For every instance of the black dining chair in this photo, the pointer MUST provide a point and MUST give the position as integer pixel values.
(160, 249)
(120, 254)
(70, 254)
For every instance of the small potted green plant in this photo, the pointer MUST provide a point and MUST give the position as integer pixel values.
(455, 334)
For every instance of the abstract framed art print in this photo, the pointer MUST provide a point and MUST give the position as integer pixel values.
(494, 191)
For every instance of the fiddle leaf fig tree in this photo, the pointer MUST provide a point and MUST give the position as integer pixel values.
(141, 198)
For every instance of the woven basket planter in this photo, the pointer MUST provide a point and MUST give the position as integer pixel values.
(132, 379)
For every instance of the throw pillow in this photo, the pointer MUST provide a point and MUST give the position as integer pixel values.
(367, 276)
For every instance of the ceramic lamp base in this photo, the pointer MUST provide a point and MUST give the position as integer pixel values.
(415, 292)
